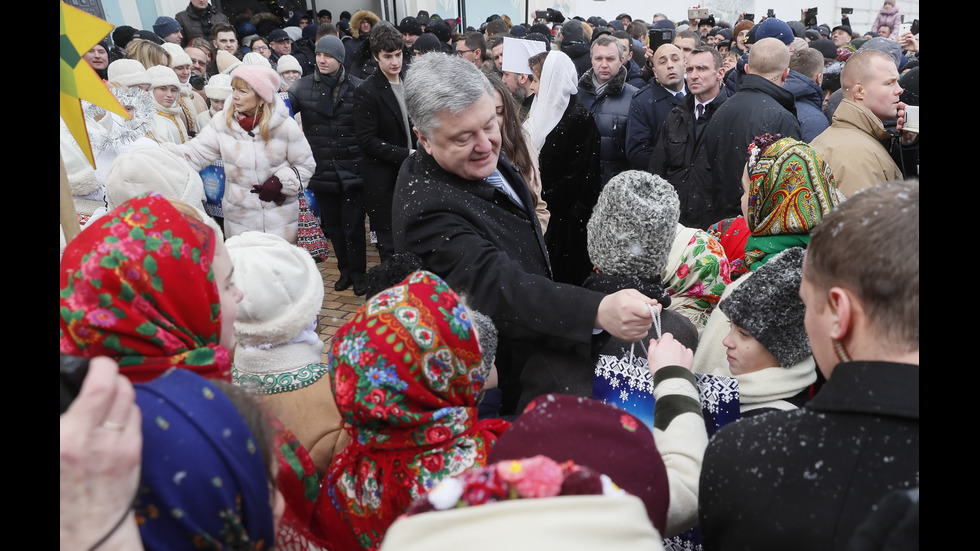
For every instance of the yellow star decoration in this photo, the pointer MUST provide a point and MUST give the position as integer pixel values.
(79, 32)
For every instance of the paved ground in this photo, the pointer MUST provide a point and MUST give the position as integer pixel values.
(339, 306)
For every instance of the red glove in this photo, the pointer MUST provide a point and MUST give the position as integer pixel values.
(270, 190)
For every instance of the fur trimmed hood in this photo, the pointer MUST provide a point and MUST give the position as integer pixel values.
(360, 15)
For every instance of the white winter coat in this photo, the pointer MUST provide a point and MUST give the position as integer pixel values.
(250, 161)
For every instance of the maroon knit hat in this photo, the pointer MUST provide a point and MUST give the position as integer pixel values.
(596, 435)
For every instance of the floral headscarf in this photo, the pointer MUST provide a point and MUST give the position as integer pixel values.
(203, 483)
(791, 189)
(138, 286)
(405, 372)
(696, 275)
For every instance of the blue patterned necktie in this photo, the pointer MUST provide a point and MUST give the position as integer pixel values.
(497, 181)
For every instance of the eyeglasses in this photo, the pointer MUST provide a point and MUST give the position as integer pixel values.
(461, 52)
(259, 48)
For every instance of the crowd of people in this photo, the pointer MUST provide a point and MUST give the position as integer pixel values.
(643, 285)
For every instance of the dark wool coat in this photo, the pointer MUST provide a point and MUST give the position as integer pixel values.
(197, 23)
(570, 184)
(332, 138)
(759, 107)
(809, 104)
(610, 109)
(805, 479)
(492, 251)
(680, 158)
(381, 135)
(648, 110)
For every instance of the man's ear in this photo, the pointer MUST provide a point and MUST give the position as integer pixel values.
(843, 311)
(422, 140)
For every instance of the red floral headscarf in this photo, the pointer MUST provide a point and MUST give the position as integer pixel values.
(406, 373)
(138, 286)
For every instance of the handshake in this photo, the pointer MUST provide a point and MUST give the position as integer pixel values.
(270, 190)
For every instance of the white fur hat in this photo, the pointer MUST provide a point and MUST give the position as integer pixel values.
(128, 72)
(162, 76)
(288, 63)
(226, 62)
(144, 169)
(255, 58)
(218, 87)
(178, 57)
(282, 288)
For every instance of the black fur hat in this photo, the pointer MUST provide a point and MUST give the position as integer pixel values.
(767, 305)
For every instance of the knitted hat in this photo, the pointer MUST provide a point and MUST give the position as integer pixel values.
(596, 435)
(178, 57)
(218, 87)
(287, 63)
(263, 80)
(441, 29)
(282, 288)
(798, 28)
(255, 58)
(122, 35)
(427, 42)
(726, 34)
(770, 28)
(518, 31)
(572, 31)
(410, 25)
(332, 46)
(161, 75)
(811, 34)
(668, 24)
(767, 305)
(127, 72)
(148, 35)
(887, 45)
(294, 33)
(226, 62)
(165, 26)
(278, 35)
(826, 47)
(309, 31)
(616, 25)
(633, 224)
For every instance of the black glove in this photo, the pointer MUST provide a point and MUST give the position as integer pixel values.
(270, 190)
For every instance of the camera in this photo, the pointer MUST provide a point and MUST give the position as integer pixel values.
(541, 14)
(749, 17)
(73, 372)
(197, 82)
(846, 11)
(659, 37)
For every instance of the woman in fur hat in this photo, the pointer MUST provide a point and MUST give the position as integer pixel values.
(169, 125)
(265, 154)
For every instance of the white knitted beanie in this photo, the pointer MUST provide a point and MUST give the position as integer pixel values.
(178, 57)
(288, 63)
(255, 58)
(633, 225)
(218, 87)
(282, 288)
(127, 72)
(162, 76)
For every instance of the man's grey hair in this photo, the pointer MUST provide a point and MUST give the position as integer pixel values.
(606, 40)
(438, 82)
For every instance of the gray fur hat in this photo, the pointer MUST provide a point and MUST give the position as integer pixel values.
(633, 225)
(768, 306)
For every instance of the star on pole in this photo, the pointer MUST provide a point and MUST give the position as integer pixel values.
(79, 32)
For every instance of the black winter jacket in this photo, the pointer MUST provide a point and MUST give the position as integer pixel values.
(332, 138)
(611, 111)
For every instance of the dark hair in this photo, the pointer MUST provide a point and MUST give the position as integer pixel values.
(385, 38)
(324, 29)
(475, 40)
(716, 56)
(223, 28)
(512, 140)
(497, 26)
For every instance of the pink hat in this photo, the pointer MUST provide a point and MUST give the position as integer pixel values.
(264, 80)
